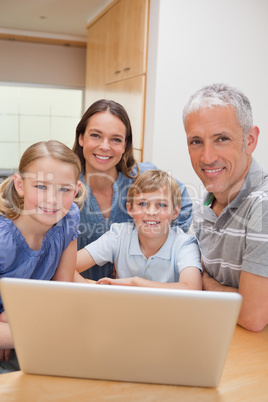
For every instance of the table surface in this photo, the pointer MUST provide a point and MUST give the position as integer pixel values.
(245, 378)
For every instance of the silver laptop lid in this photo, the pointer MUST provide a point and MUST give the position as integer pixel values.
(120, 333)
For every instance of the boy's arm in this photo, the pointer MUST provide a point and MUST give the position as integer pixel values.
(190, 278)
(66, 270)
(84, 260)
(66, 267)
(79, 278)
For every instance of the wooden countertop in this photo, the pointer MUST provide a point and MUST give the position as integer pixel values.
(245, 378)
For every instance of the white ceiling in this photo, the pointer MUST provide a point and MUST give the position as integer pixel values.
(59, 17)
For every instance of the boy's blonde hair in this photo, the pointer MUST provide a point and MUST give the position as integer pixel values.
(154, 180)
(11, 204)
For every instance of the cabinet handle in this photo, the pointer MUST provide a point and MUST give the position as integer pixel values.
(117, 72)
(126, 68)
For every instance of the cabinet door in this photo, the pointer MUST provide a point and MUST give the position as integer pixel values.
(127, 40)
(96, 60)
(130, 94)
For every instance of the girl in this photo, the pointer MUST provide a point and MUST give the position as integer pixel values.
(104, 146)
(39, 220)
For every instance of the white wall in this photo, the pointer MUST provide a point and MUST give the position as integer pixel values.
(193, 43)
(42, 64)
(22, 110)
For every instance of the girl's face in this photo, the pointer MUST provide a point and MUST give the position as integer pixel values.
(104, 143)
(48, 188)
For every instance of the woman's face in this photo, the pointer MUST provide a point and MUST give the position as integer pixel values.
(104, 143)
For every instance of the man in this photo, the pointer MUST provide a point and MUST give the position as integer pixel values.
(231, 221)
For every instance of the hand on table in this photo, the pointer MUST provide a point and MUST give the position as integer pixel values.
(121, 281)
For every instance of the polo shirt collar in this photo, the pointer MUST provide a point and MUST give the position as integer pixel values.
(165, 251)
(253, 180)
(134, 246)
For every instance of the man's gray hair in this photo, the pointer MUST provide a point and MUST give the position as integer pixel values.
(221, 95)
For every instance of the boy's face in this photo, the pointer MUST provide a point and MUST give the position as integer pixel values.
(153, 213)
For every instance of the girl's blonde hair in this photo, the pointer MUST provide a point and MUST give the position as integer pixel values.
(154, 180)
(11, 204)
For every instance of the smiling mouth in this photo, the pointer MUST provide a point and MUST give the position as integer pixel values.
(102, 158)
(151, 222)
(49, 211)
(213, 170)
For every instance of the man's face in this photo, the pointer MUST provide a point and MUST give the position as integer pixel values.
(219, 154)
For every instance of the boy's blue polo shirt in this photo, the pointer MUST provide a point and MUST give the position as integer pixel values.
(120, 246)
(93, 224)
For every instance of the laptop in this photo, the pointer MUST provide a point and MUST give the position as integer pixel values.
(123, 333)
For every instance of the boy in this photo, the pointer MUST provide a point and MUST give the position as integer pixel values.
(148, 252)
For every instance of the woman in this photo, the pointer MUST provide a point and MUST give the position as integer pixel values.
(104, 145)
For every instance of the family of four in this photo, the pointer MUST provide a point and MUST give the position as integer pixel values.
(130, 220)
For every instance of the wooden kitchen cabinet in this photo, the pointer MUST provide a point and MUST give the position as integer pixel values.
(117, 61)
(127, 40)
(130, 92)
(96, 60)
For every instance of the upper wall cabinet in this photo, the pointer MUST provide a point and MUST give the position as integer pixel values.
(117, 61)
(127, 39)
(96, 59)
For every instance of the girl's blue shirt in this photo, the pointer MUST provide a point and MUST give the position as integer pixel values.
(17, 260)
(93, 224)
